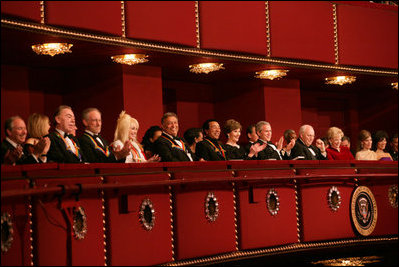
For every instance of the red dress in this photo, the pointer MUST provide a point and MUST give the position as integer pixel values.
(344, 154)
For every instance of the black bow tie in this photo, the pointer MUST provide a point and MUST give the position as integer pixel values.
(96, 136)
(67, 135)
(176, 138)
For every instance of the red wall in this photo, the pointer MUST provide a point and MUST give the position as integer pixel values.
(142, 95)
(367, 32)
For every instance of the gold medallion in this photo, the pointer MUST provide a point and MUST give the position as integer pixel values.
(364, 210)
(7, 232)
(393, 196)
(211, 207)
(147, 214)
(334, 198)
(273, 202)
(79, 223)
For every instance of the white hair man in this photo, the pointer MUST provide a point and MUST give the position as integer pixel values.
(304, 149)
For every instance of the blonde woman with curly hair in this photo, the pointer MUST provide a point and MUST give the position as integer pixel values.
(335, 151)
(126, 130)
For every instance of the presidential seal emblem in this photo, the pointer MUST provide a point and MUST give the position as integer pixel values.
(393, 196)
(364, 210)
(147, 214)
(211, 207)
(272, 202)
(79, 225)
(334, 198)
(7, 232)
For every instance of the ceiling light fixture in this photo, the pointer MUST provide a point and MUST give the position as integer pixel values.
(395, 85)
(52, 49)
(130, 59)
(341, 80)
(271, 74)
(206, 67)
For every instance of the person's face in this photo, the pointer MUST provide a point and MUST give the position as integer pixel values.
(308, 136)
(394, 144)
(367, 143)
(382, 144)
(133, 132)
(336, 141)
(199, 138)
(155, 137)
(292, 136)
(214, 130)
(18, 131)
(171, 125)
(66, 121)
(93, 122)
(234, 135)
(265, 132)
(253, 136)
(345, 143)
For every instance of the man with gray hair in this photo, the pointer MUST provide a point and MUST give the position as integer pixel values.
(272, 151)
(94, 146)
(304, 149)
(65, 147)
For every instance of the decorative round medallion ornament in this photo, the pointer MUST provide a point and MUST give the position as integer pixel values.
(273, 202)
(79, 223)
(147, 214)
(211, 207)
(334, 198)
(7, 232)
(364, 210)
(393, 196)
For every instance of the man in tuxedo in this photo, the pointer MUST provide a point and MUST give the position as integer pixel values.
(12, 151)
(64, 147)
(169, 146)
(304, 149)
(210, 148)
(93, 145)
(271, 151)
(252, 137)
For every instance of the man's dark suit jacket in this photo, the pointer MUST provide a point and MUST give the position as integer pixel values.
(208, 152)
(96, 155)
(59, 153)
(169, 150)
(25, 159)
(268, 152)
(300, 149)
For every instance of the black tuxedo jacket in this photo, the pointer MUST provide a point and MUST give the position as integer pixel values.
(92, 154)
(300, 149)
(59, 153)
(268, 152)
(26, 158)
(208, 152)
(169, 150)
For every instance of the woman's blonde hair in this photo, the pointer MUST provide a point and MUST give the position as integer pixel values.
(37, 125)
(334, 131)
(123, 125)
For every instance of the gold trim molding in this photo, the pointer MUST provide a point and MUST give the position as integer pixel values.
(335, 18)
(42, 19)
(197, 24)
(240, 255)
(123, 18)
(168, 48)
(268, 40)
